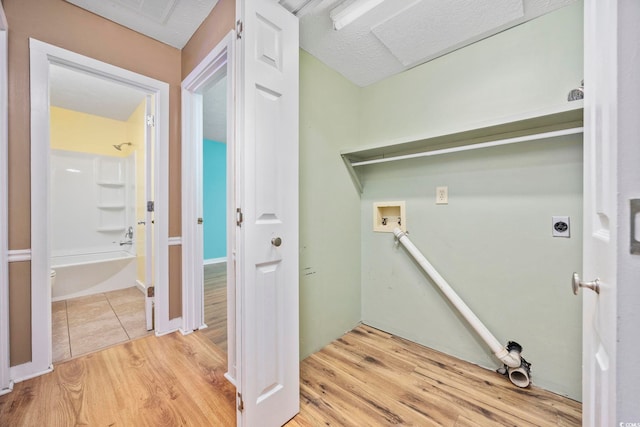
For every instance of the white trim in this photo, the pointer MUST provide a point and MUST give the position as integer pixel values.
(26, 371)
(42, 55)
(215, 261)
(18, 255)
(141, 286)
(5, 382)
(211, 68)
(172, 326)
(8, 389)
(174, 241)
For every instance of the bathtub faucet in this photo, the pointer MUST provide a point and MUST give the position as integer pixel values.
(126, 242)
(129, 233)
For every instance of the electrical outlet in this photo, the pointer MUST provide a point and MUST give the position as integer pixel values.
(560, 226)
(442, 195)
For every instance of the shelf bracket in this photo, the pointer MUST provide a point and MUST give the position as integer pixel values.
(352, 173)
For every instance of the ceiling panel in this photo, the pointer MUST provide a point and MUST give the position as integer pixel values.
(425, 30)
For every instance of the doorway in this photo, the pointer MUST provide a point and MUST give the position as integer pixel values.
(208, 227)
(100, 170)
(114, 212)
(214, 209)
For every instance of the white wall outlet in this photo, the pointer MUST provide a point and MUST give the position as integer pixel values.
(560, 226)
(442, 195)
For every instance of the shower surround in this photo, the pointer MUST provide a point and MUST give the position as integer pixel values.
(92, 208)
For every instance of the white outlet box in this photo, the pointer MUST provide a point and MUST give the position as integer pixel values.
(560, 226)
(442, 195)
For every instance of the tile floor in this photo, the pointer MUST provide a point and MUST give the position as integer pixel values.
(86, 324)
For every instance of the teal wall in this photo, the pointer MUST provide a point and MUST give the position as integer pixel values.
(214, 194)
(492, 241)
(329, 207)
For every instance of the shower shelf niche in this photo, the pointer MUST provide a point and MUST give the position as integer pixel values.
(548, 123)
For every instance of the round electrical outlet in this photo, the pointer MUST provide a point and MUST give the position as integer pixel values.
(561, 226)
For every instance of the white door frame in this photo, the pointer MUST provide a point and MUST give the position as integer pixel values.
(42, 55)
(208, 70)
(5, 382)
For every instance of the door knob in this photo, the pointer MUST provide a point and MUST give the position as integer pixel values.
(276, 241)
(576, 284)
(200, 221)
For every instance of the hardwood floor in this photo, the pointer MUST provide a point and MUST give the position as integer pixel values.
(369, 377)
(215, 304)
(365, 378)
(173, 380)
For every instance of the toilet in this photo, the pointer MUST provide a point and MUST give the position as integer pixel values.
(53, 278)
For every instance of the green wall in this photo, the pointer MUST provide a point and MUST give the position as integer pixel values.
(492, 241)
(329, 207)
(493, 244)
(526, 68)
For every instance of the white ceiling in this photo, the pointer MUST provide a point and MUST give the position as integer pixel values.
(79, 91)
(172, 22)
(391, 38)
(86, 93)
(400, 34)
(214, 111)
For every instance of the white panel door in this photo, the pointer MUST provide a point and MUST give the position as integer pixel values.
(600, 213)
(268, 237)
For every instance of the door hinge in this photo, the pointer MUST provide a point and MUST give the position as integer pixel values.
(239, 29)
(151, 292)
(151, 206)
(239, 217)
(240, 402)
(151, 120)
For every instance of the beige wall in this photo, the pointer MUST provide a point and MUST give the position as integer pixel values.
(62, 24)
(220, 21)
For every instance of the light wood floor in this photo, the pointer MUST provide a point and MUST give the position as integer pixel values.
(173, 380)
(372, 378)
(215, 304)
(365, 378)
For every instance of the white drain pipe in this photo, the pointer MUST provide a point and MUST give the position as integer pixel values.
(515, 366)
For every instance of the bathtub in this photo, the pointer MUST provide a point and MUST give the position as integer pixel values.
(91, 273)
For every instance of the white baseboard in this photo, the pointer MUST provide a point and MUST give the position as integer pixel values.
(173, 326)
(25, 372)
(215, 260)
(7, 390)
(140, 286)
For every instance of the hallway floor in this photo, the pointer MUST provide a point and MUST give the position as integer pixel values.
(215, 304)
(365, 378)
(86, 324)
